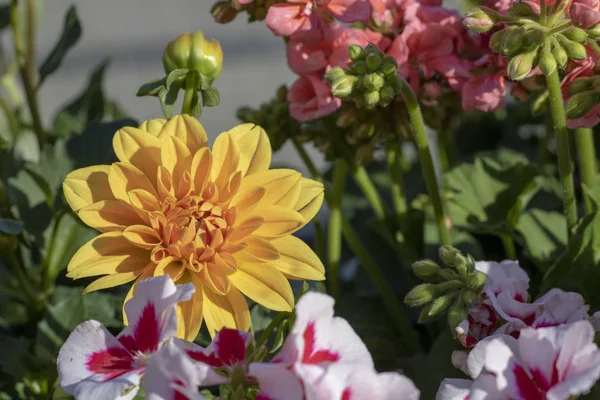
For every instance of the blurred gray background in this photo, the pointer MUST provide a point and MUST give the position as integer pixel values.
(133, 34)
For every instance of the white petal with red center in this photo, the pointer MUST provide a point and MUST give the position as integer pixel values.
(230, 346)
(205, 360)
(454, 389)
(152, 314)
(94, 364)
(476, 358)
(559, 307)
(276, 382)
(172, 375)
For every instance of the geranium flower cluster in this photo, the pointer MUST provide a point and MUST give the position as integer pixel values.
(523, 350)
(322, 357)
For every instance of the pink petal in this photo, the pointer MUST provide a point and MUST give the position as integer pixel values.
(350, 10)
(303, 58)
(285, 19)
(276, 382)
(485, 93)
(310, 98)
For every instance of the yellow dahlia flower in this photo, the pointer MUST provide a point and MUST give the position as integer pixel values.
(218, 218)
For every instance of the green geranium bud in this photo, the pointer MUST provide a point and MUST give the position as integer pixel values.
(223, 11)
(547, 63)
(373, 81)
(424, 316)
(457, 314)
(468, 297)
(533, 39)
(575, 51)
(194, 52)
(476, 280)
(522, 9)
(560, 55)
(356, 53)
(365, 130)
(447, 274)
(420, 294)
(449, 286)
(343, 86)
(513, 40)
(580, 85)
(442, 303)
(374, 60)
(520, 66)
(497, 40)
(346, 118)
(358, 67)
(581, 103)
(388, 68)
(386, 95)
(372, 98)
(335, 73)
(426, 269)
(594, 32)
(576, 34)
(479, 20)
(448, 254)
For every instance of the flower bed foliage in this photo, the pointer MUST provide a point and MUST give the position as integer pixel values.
(450, 249)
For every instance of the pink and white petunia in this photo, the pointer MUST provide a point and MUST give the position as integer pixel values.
(318, 341)
(94, 364)
(172, 375)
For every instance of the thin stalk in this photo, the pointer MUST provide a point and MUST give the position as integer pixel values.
(366, 185)
(395, 308)
(586, 155)
(394, 165)
(27, 64)
(334, 227)
(22, 278)
(420, 135)
(319, 238)
(446, 149)
(565, 165)
(543, 11)
(509, 246)
(594, 45)
(188, 97)
(264, 336)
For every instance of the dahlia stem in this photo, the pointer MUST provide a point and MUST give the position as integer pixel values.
(393, 159)
(395, 308)
(420, 135)
(584, 141)
(509, 246)
(364, 182)
(27, 65)
(334, 227)
(188, 97)
(565, 164)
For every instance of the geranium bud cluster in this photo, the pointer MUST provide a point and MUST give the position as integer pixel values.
(449, 290)
(225, 11)
(584, 96)
(369, 80)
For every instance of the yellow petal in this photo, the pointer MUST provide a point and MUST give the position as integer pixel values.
(109, 281)
(214, 282)
(109, 215)
(229, 311)
(142, 236)
(246, 200)
(311, 198)
(147, 273)
(188, 130)
(260, 248)
(190, 311)
(279, 221)
(108, 253)
(265, 285)
(170, 266)
(124, 177)
(226, 158)
(282, 187)
(153, 126)
(200, 169)
(138, 148)
(85, 186)
(245, 228)
(255, 148)
(173, 153)
(297, 260)
(143, 200)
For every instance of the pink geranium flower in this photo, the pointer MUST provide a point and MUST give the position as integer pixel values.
(585, 13)
(318, 341)
(581, 69)
(310, 98)
(93, 364)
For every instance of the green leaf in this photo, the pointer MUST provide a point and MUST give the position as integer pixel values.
(177, 75)
(168, 97)
(543, 235)
(151, 88)
(69, 37)
(280, 336)
(11, 226)
(66, 235)
(489, 194)
(211, 97)
(15, 360)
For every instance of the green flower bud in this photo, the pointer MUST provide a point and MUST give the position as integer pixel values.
(576, 34)
(343, 86)
(356, 53)
(479, 20)
(365, 130)
(497, 40)
(388, 68)
(358, 67)
(560, 55)
(575, 51)
(372, 98)
(547, 63)
(194, 52)
(513, 40)
(522, 9)
(533, 39)
(424, 316)
(426, 269)
(420, 294)
(373, 81)
(442, 303)
(374, 60)
(448, 286)
(580, 85)
(468, 297)
(594, 32)
(448, 254)
(386, 95)
(223, 12)
(447, 274)
(457, 314)
(335, 73)
(520, 66)
(476, 280)
(581, 103)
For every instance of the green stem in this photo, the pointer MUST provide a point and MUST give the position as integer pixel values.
(584, 141)
(319, 239)
(366, 185)
(188, 97)
(446, 148)
(394, 161)
(509, 246)
(543, 17)
(594, 45)
(394, 307)
(13, 122)
(264, 336)
(23, 279)
(307, 160)
(334, 228)
(565, 165)
(420, 135)
(27, 65)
